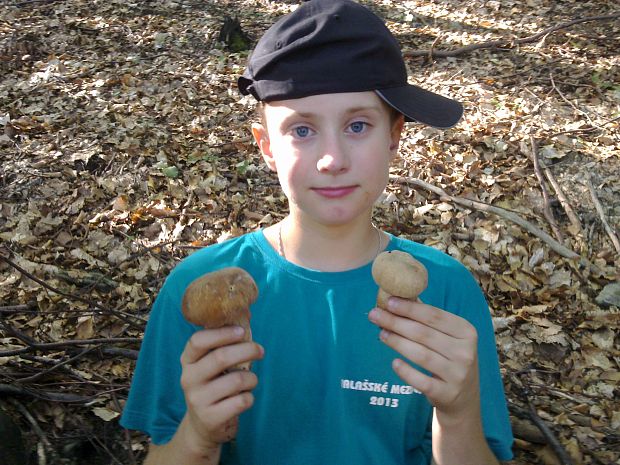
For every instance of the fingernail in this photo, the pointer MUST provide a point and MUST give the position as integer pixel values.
(373, 315)
(392, 303)
(384, 334)
(238, 331)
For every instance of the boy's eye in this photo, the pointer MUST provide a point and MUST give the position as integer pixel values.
(301, 131)
(358, 126)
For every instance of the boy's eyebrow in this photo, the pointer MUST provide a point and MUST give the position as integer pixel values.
(310, 115)
(363, 108)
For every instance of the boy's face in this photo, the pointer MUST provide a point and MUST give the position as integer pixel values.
(331, 152)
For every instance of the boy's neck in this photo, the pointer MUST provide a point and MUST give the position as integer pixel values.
(324, 247)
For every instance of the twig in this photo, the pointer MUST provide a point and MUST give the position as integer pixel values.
(128, 353)
(9, 389)
(18, 308)
(561, 453)
(57, 365)
(45, 443)
(130, 453)
(432, 49)
(551, 242)
(601, 213)
(70, 342)
(119, 315)
(31, 2)
(577, 109)
(35, 345)
(559, 193)
(543, 187)
(504, 43)
(584, 129)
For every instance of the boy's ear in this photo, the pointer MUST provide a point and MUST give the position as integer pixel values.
(261, 136)
(397, 129)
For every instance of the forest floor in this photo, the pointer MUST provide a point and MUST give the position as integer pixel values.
(125, 146)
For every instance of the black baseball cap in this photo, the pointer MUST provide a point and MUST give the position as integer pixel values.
(330, 46)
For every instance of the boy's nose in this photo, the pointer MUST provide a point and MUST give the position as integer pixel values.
(334, 159)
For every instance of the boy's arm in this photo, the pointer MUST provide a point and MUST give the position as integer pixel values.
(214, 396)
(182, 450)
(461, 443)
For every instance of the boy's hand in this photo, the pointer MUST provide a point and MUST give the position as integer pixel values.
(440, 342)
(215, 399)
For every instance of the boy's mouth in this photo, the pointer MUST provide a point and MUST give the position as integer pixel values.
(334, 192)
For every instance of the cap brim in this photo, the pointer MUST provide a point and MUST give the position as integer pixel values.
(417, 104)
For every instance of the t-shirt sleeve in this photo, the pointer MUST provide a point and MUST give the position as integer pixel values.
(155, 404)
(472, 306)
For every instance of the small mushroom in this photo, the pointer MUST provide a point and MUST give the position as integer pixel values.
(221, 298)
(398, 274)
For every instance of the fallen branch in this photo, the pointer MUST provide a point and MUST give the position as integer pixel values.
(545, 193)
(585, 129)
(559, 193)
(55, 366)
(119, 315)
(12, 390)
(77, 342)
(35, 345)
(45, 443)
(115, 351)
(23, 308)
(506, 43)
(550, 241)
(601, 213)
(561, 453)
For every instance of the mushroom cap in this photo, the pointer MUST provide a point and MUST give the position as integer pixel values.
(399, 274)
(220, 298)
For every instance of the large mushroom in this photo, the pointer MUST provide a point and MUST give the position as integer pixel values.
(221, 298)
(398, 274)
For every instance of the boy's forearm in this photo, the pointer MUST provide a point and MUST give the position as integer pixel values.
(461, 443)
(182, 450)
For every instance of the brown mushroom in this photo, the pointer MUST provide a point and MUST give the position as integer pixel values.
(221, 298)
(398, 274)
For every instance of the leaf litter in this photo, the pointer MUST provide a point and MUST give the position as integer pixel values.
(125, 146)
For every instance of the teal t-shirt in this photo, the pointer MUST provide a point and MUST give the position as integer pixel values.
(326, 391)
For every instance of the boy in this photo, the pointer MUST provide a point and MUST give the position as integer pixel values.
(324, 389)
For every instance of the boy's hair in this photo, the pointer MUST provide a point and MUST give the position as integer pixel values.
(333, 46)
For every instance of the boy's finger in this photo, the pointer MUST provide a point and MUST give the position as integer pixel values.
(212, 365)
(412, 330)
(233, 383)
(231, 407)
(223, 387)
(427, 385)
(426, 358)
(221, 359)
(441, 320)
(206, 340)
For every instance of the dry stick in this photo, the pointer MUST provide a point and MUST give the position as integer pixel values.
(76, 342)
(17, 308)
(543, 187)
(507, 43)
(559, 193)
(551, 242)
(577, 109)
(585, 129)
(599, 209)
(117, 314)
(563, 456)
(45, 443)
(34, 345)
(12, 390)
(42, 373)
